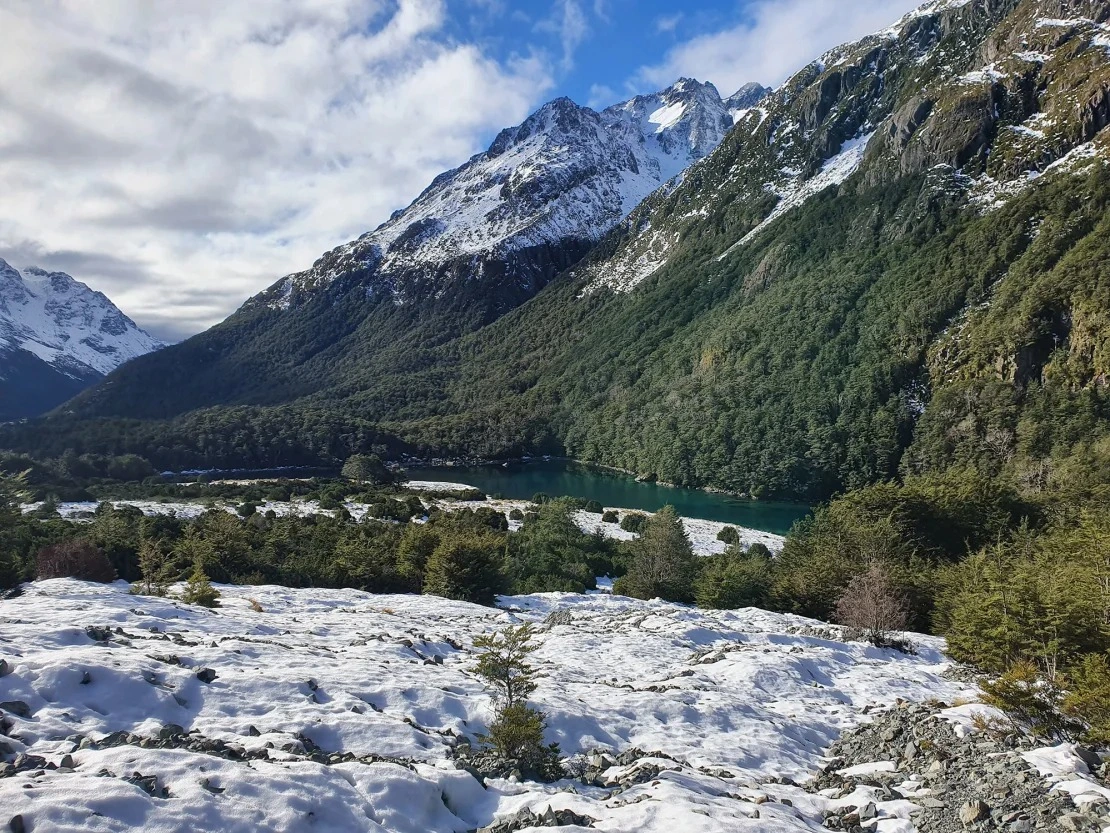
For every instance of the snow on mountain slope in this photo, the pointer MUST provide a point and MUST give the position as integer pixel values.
(567, 174)
(944, 91)
(384, 686)
(68, 326)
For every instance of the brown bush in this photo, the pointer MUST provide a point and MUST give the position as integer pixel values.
(75, 558)
(872, 604)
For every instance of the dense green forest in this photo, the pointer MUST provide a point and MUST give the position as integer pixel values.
(945, 305)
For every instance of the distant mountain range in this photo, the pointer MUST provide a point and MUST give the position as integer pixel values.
(57, 337)
(893, 263)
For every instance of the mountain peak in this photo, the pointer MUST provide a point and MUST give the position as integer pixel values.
(66, 324)
(746, 97)
(562, 178)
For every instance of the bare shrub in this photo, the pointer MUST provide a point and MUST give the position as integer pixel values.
(75, 558)
(872, 605)
(256, 605)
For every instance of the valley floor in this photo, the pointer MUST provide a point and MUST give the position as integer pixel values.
(702, 533)
(733, 700)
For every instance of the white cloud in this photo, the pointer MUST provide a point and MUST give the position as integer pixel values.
(182, 156)
(669, 22)
(601, 96)
(570, 23)
(774, 39)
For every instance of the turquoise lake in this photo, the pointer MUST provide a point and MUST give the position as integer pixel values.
(520, 481)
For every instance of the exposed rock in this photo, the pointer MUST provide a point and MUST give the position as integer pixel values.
(979, 782)
(974, 811)
(148, 784)
(1089, 757)
(206, 675)
(16, 707)
(524, 819)
(98, 634)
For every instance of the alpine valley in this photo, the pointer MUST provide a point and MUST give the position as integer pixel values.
(894, 262)
(881, 289)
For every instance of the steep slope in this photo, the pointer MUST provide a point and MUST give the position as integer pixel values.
(779, 323)
(477, 243)
(57, 337)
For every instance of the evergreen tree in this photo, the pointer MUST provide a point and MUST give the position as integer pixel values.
(199, 590)
(516, 733)
(466, 565)
(418, 542)
(733, 580)
(155, 568)
(367, 468)
(663, 564)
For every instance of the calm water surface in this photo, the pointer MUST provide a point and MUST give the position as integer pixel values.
(520, 481)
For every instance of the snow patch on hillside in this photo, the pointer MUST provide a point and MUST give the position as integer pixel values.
(989, 194)
(702, 533)
(733, 698)
(834, 171)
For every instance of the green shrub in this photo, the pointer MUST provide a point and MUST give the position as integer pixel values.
(610, 517)
(634, 522)
(466, 566)
(732, 580)
(199, 590)
(516, 733)
(594, 507)
(729, 535)
(1031, 702)
(1088, 696)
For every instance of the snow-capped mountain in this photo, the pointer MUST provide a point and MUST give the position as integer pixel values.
(57, 336)
(535, 201)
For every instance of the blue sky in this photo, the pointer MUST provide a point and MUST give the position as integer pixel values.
(182, 156)
(597, 48)
(603, 51)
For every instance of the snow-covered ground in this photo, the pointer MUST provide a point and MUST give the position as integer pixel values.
(702, 533)
(733, 698)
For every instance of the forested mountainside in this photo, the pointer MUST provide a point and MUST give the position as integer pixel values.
(479, 241)
(57, 337)
(897, 261)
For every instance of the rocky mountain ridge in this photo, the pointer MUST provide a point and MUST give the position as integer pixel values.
(541, 195)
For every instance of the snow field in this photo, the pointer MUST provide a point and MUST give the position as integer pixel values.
(731, 699)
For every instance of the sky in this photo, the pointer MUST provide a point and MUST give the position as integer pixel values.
(182, 156)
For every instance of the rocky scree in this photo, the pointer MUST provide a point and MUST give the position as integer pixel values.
(980, 782)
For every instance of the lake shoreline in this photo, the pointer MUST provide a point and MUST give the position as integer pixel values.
(609, 486)
(639, 477)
